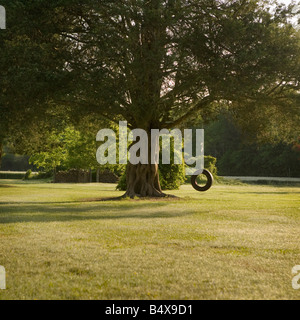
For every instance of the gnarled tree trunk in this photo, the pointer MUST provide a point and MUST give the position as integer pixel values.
(143, 181)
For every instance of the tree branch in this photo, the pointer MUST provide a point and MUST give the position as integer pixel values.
(203, 103)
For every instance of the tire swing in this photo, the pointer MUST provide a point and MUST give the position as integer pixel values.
(208, 183)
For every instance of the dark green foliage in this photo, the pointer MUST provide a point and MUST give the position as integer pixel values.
(237, 157)
(122, 182)
(210, 165)
(11, 175)
(171, 176)
(280, 160)
(32, 68)
(154, 63)
(14, 162)
(43, 175)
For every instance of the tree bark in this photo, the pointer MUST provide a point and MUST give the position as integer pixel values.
(143, 181)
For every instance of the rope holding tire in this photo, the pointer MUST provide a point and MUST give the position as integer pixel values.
(209, 181)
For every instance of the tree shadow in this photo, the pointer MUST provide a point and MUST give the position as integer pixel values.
(271, 192)
(64, 212)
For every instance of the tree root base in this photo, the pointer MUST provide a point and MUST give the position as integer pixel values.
(166, 197)
(157, 196)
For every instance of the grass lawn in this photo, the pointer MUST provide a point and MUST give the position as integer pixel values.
(231, 242)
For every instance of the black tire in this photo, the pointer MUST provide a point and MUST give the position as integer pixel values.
(208, 183)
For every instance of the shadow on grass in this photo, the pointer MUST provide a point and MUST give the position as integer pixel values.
(270, 192)
(63, 211)
(273, 183)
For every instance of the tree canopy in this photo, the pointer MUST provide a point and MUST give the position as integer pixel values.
(157, 63)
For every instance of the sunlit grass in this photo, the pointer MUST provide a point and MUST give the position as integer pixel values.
(231, 242)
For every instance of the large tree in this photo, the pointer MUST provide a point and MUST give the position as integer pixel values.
(159, 63)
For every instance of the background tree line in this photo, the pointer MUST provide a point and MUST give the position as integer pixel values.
(238, 156)
(235, 154)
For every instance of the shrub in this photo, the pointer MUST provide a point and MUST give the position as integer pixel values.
(11, 175)
(44, 175)
(122, 182)
(172, 176)
(210, 165)
(28, 175)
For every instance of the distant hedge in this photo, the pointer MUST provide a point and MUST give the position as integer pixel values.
(12, 175)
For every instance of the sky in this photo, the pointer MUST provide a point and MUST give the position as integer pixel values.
(289, 1)
(286, 1)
